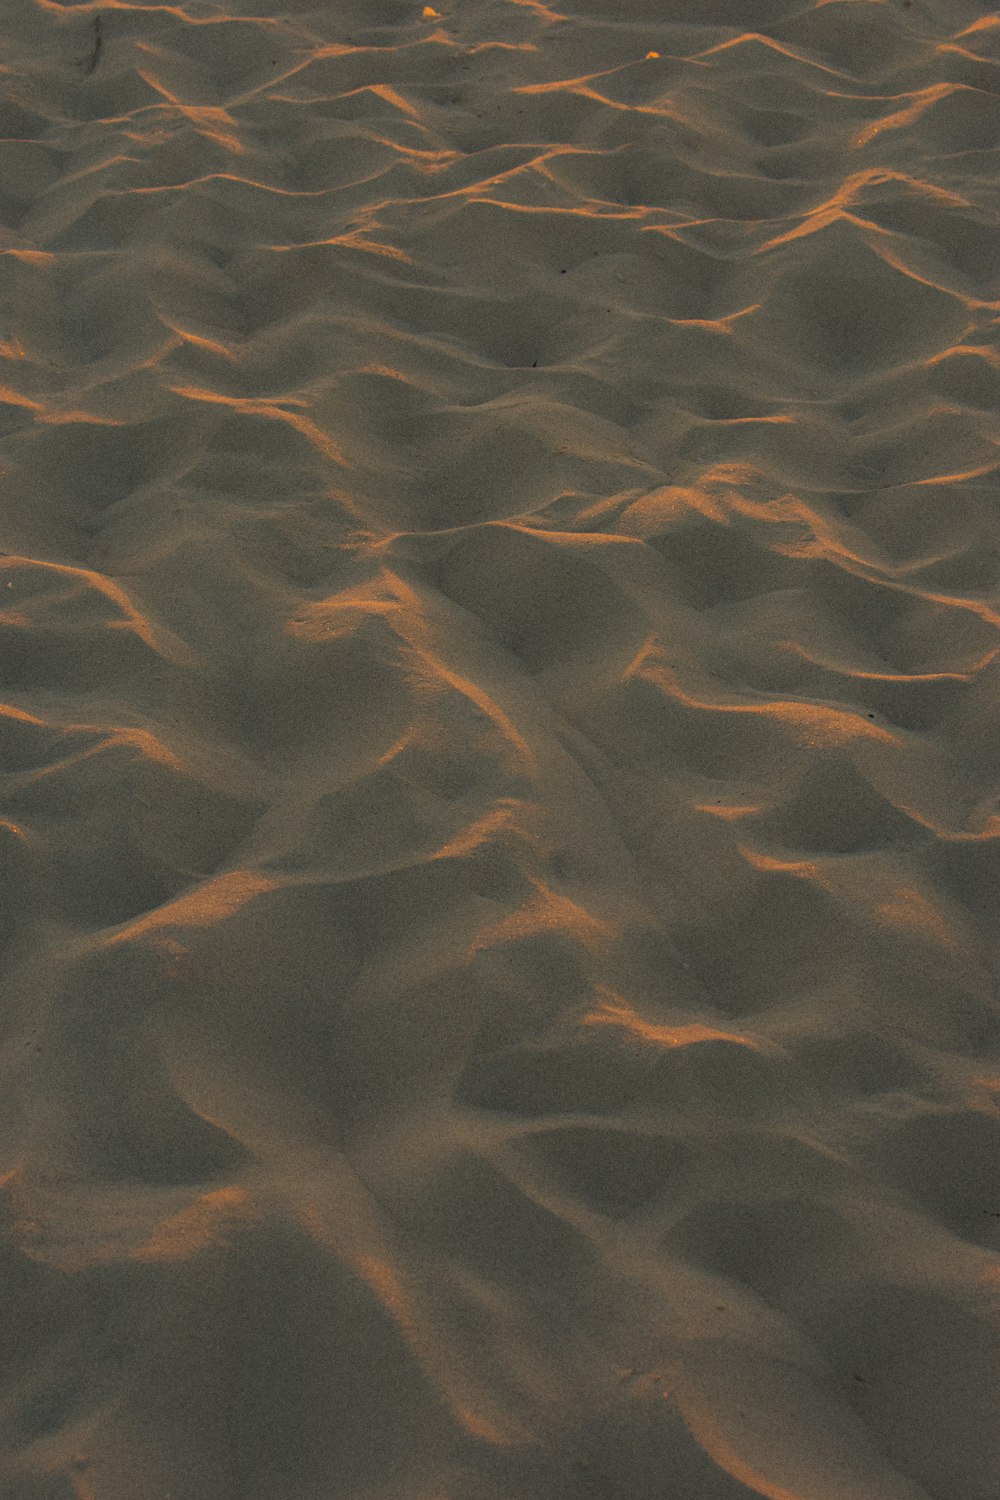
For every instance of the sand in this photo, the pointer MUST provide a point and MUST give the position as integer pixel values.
(500, 728)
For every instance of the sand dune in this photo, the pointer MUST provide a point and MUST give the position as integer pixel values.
(500, 734)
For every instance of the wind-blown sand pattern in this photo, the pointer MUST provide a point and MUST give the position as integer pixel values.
(500, 750)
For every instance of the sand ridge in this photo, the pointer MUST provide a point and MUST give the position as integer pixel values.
(499, 750)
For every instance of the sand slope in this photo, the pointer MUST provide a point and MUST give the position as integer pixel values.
(500, 747)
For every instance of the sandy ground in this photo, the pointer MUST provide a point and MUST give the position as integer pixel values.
(499, 750)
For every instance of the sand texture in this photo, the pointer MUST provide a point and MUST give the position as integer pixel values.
(499, 750)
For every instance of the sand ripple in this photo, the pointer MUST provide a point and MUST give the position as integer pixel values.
(500, 749)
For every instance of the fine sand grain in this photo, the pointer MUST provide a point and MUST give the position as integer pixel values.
(499, 750)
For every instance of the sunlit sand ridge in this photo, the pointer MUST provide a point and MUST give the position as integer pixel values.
(500, 733)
